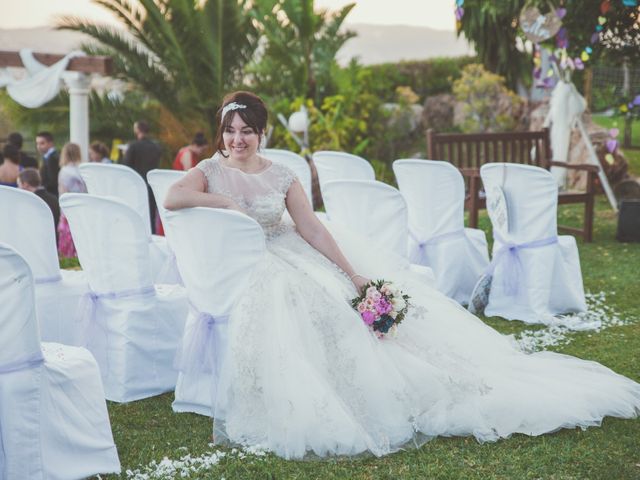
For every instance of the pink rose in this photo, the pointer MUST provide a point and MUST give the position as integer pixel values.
(372, 292)
(361, 307)
(382, 306)
(368, 317)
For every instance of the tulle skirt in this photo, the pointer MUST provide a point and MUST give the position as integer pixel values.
(304, 375)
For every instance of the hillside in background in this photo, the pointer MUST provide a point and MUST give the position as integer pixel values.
(374, 43)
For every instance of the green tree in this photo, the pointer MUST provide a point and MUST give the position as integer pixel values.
(183, 53)
(299, 47)
(492, 29)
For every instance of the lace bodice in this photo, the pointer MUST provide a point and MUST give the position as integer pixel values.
(261, 194)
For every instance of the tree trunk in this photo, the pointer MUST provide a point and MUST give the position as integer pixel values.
(626, 93)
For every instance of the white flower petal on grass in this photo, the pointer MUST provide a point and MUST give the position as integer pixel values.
(188, 466)
(559, 330)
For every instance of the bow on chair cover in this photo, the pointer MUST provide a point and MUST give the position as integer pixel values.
(199, 352)
(420, 255)
(509, 255)
(41, 84)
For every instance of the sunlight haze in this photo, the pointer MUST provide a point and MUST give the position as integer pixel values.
(436, 14)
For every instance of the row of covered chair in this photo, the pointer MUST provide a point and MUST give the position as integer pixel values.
(121, 339)
(538, 271)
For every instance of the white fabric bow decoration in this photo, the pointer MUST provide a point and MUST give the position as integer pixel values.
(42, 82)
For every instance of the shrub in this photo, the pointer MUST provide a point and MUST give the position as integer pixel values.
(426, 77)
(486, 104)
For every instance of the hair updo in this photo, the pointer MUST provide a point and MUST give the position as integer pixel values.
(255, 115)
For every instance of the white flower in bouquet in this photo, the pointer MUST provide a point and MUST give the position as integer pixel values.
(398, 303)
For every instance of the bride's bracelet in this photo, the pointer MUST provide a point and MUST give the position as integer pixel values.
(355, 275)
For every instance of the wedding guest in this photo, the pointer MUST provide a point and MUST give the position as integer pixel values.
(188, 156)
(99, 152)
(26, 161)
(10, 166)
(50, 162)
(29, 180)
(69, 180)
(144, 154)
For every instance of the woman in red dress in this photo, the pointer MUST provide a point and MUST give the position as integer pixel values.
(188, 156)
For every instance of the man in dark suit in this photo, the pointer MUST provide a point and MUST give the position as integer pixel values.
(26, 161)
(144, 154)
(29, 179)
(50, 162)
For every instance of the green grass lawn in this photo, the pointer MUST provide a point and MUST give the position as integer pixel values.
(148, 430)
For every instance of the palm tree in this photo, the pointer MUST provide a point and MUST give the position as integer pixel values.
(183, 53)
(491, 27)
(300, 41)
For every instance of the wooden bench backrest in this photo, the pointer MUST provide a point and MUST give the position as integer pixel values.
(472, 150)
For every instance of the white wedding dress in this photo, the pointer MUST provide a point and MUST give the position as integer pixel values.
(304, 375)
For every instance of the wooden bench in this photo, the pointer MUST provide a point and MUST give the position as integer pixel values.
(469, 152)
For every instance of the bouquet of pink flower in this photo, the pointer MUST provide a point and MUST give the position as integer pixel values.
(382, 307)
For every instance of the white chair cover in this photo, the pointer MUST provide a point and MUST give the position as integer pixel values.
(434, 192)
(26, 224)
(341, 166)
(374, 210)
(120, 181)
(217, 251)
(536, 273)
(296, 163)
(135, 327)
(53, 417)
(160, 181)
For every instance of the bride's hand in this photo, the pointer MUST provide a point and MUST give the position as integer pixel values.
(359, 282)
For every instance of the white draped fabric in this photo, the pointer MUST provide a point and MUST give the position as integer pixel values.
(565, 107)
(434, 192)
(53, 418)
(217, 251)
(131, 325)
(304, 374)
(42, 82)
(542, 266)
(26, 224)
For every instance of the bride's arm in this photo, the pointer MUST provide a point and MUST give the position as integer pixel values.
(191, 191)
(315, 233)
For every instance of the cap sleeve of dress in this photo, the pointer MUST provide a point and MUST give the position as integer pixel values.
(209, 167)
(286, 176)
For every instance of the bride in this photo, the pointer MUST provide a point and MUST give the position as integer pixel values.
(305, 375)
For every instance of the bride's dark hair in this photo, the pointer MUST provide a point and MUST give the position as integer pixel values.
(254, 115)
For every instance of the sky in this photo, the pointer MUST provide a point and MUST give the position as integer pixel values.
(436, 14)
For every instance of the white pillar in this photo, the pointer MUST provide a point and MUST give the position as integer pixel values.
(79, 88)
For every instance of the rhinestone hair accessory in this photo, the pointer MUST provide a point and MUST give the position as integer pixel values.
(229, 107)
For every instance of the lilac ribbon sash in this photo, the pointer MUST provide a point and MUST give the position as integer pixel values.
(51, 279)
(421, 257)
(509, 253)
(88, 303)
(86, 313)
(35, 360)
(201, 348)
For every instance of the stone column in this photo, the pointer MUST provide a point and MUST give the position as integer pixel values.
(79, 88)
